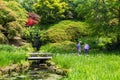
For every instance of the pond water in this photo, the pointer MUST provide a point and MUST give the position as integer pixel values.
(32, 75)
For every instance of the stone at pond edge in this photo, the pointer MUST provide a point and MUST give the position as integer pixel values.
(52, 68)
(43, 66)
(56, 69)
(14, 68)
(59, 71)
(65, 71)
(62, 71)
(14, 74)
(50, 63)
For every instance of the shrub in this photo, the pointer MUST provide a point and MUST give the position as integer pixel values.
(25, 34)
(12, 18)
(65, 30)
(29, 33)
(14, 28)
(54, 35)
(19, 11)
(74, 32)
(6, 15)
(103, 42)
(62, 47)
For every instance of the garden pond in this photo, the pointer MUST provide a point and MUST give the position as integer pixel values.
(32, 74)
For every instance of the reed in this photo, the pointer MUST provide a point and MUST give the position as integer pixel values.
(95, 66)
(11, 55)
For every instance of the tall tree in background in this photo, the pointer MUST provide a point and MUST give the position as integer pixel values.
(70, 12)
(104, 19)
(82, 8)
(50, 10)
(28, 5)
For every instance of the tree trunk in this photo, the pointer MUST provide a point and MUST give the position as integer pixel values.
(119, 14)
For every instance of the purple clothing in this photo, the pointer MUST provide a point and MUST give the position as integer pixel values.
(86, 46)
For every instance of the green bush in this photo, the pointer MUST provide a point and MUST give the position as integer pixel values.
(54, 35)
(103, 42)
(29, 33)
(14, 29)
(26, 34)
(6, 15)
(19, 11)
(12, 19)
(65, 30)
(74, 32)
(63, 47)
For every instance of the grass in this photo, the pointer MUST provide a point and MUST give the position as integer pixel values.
(11, 55)
(95, 66)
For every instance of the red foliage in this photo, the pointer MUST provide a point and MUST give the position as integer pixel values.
(32, 19)
(31, 22)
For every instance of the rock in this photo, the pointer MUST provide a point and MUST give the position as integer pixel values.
(52, 68)
(43, 66)
(12, 68)
(17, 69)
(14, 74)
(5, 70)
(65, 71)
(50, 63)
(35, 69)
(26, 65)
(59, 71)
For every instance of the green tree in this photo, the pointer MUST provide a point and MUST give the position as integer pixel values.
(28, 5)
(104, 19)
(50, 10)
(82, 8)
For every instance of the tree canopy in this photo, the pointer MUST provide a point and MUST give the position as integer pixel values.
(103, 16)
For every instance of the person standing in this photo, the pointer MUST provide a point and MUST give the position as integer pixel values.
(86, 48)
(37, 43)
(78, 46)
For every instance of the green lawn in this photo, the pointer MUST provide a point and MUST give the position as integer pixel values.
(95, 66)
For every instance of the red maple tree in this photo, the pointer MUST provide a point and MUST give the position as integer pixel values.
(33, 19)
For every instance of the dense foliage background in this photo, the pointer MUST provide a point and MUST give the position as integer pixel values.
(12, 20)
(96, 22)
